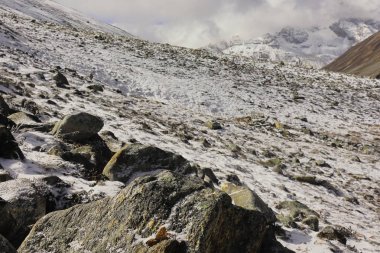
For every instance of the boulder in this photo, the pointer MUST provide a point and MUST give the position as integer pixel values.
(135, 159)
(60, 80)
(338, 233)
(8, 146)
(78, 126)
(93, 155)
(6, 246)
(196, 219)
(4, 175)
(6, 122)
(22, 203)
(246, 198)
(297, 212)
(4, 108)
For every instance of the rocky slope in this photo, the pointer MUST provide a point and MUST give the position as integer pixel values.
(314, 46)
(280, 142)
(363, 59)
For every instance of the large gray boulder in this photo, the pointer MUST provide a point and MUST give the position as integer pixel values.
(22, 203)
(135, 159)
(8, 146)
(169, 212)
(78, 127)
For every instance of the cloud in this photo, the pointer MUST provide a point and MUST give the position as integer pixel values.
(196, 23)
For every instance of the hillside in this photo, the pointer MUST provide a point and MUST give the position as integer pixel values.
(143, 145)
(362, 59)
(314, 46)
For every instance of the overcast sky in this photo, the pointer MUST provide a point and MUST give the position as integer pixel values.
(195, 23)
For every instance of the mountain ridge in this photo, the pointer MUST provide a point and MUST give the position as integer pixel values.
(363, 59)
(315, 46)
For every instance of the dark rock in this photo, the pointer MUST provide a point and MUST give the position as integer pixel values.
(8, 146)
(78, 126)
(60, 80)
(271, 245)
(338, 233)
(213, 125)
(6, 122)
(233, 178)
(93, 155)
(4, 175)
(30, 106)
(24, 204)
(6, 246)
(208, 175)
(4, 108)
(142, 209)
(137, 158)
(95, 88)
(312, 221)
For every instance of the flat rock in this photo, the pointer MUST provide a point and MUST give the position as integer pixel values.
(135, 159)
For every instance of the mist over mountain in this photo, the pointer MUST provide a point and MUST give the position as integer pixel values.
(314, 46)
(198, 23)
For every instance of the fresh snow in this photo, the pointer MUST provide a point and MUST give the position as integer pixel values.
(170, 92)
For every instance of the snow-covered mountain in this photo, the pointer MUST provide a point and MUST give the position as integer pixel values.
(305, 141)
(316, 46)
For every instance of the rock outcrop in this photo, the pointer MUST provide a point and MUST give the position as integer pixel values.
(22, 203)
(135, 159)
(169, 212)
(6, 246)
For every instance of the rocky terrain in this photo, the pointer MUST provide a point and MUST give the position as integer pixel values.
(363, 59)
(114, 144)
(316, 46)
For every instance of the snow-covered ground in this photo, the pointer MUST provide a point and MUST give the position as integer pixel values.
(267, 111)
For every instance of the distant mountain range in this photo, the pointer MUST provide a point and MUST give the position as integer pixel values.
(316, 46)
(363, 59)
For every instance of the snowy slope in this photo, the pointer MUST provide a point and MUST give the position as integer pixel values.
(316, 46)
(168, 93)
(47, 10)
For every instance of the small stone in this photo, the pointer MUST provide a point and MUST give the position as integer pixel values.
(213, 125)
(322, 163)
(338, 233)
(60, 80)
(312, 221)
